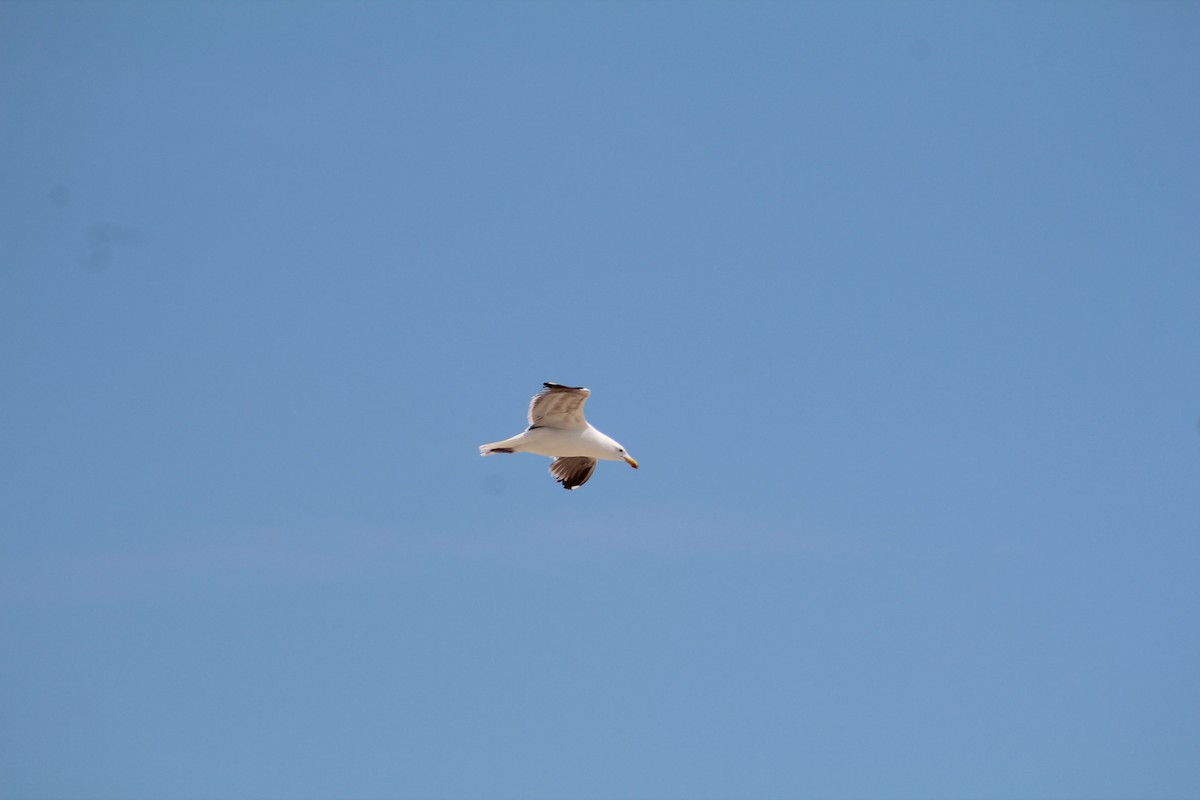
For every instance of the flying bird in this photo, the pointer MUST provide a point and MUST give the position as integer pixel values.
(557, 429)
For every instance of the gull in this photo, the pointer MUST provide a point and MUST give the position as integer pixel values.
(557, 429)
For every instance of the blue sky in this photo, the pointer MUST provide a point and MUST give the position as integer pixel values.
(896, 303)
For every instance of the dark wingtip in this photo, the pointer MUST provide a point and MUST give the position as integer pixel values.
(548, 385)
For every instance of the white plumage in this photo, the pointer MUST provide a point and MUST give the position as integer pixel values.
(557, 429)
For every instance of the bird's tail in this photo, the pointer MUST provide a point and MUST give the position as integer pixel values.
(496, 447)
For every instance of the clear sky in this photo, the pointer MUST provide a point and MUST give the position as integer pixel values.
(898, 304)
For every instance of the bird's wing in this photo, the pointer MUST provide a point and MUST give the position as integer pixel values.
(572, 471)
(558, 406)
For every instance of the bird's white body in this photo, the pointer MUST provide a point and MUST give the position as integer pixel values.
(556, 442)
(557, 429)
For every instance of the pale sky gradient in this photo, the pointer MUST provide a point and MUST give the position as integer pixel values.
(898, 304)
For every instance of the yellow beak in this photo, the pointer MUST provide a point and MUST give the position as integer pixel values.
(631, 461)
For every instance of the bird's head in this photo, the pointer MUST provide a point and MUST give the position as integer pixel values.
(623, 456)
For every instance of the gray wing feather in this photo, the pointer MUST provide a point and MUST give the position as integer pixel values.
(557, 406)
(572, 471)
